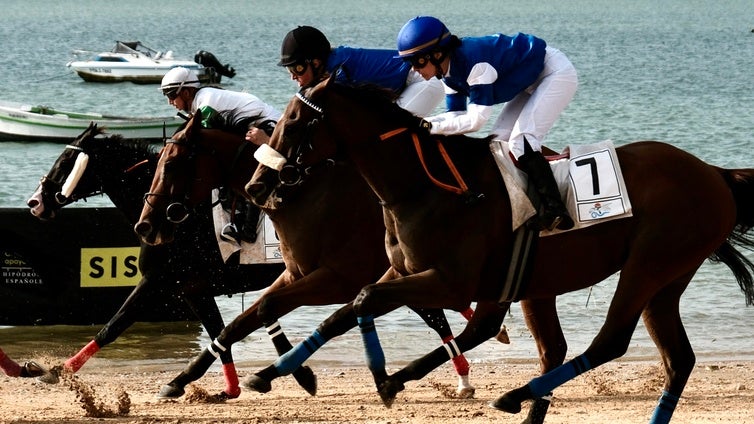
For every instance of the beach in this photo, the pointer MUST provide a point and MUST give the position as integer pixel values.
(618, 392)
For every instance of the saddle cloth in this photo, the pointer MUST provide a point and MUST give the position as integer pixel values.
(589, 178)
(266, 248)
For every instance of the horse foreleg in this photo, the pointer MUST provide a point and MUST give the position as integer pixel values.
(205, 308)
(541, 318)
(124, 318)
(436, 320)
(483, 325)
(335, 325)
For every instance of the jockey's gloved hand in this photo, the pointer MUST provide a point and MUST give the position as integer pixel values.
(424, 126)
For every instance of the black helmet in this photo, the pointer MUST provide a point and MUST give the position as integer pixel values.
(302, 44)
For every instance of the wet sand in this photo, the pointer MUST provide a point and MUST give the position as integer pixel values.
(619, 392)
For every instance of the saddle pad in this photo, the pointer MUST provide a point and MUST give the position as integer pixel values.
(589, 179)
(266, 248)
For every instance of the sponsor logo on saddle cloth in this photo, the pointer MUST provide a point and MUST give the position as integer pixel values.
(589, 179)
(266, 248)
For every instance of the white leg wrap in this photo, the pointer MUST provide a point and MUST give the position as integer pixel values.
(274, 330)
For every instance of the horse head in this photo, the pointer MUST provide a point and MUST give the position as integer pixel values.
(68, 179)
(190, 165)
(290, 156)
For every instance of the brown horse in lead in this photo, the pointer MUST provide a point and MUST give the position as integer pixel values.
(331, 240)
(446, 251)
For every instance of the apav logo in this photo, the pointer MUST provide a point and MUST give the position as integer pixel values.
(110, 266)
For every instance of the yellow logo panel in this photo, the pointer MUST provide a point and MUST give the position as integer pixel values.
(110, 266)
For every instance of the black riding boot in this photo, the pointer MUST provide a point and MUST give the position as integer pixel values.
(553, 213)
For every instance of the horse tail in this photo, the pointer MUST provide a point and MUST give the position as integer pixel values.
(741, 183)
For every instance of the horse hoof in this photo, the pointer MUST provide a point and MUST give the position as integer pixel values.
(388, 390)
(223, 396)
(257, 384)
(306, 379)
(32, 369)
(465, 392)
(51, 377)
(507, 404)
(170, 391)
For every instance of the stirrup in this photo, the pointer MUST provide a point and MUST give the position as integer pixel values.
(230, 233)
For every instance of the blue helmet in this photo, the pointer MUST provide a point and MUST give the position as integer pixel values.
(422, 34)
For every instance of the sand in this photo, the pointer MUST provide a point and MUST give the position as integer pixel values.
(619, 392)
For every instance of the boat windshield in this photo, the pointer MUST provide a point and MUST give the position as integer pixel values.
(132, 47)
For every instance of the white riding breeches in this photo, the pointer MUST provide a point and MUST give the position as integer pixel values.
(533, 112)
(421, 97)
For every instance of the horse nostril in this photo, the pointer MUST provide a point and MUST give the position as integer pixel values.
(32, 203)
(255, 190)
(142, 228)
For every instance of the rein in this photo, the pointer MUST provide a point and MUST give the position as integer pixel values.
(462, 187)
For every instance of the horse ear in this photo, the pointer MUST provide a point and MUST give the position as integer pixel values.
(330, 80)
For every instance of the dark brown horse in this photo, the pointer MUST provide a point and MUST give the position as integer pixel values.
(190, 269)
(330, 251)
(446, 251)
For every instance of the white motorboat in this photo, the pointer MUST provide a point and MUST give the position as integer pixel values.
(133, 61)
(19, 122)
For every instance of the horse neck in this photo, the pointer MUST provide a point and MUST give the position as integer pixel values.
(389, 166)
(332, 212)
(125, 186)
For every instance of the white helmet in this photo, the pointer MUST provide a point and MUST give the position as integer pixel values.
(177, 78)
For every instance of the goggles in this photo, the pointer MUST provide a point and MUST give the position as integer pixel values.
(298, 69)
(172, 93)
(418, 62)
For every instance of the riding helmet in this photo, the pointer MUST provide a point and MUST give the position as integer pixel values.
(422, 34)
(302, 44)
(177, 78)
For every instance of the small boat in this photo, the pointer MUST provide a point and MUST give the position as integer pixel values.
(133, 61)
(19, 122)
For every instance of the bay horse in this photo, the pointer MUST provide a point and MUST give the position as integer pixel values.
(445, 250)
(191, 268)
(330, 252)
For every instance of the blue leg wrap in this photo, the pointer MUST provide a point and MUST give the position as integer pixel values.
(373, 350)
(664, 409)
(291, 360)
(544, 384)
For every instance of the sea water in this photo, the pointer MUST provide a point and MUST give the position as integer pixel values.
(678, 71)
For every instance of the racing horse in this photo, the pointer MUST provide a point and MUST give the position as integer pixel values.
(330, 252)
(191, 268)
(684, 212)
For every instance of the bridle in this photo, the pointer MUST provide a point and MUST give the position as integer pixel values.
(178, 211)
(294, 173)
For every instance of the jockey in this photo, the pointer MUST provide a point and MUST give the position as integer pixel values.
(534, 80)
(307, 55)
(232, 111)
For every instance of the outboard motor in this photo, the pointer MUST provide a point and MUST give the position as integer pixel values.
(209, 60)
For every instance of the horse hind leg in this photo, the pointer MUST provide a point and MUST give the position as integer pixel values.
(663, 322)
(436, 320)
(634, 290)
(541, 318)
